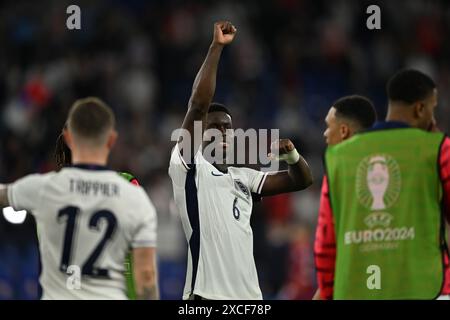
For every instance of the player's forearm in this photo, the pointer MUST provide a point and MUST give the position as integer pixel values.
(300, 174)
(205, 81)
(4, 202)
(145, 273)
(297, 177)
(147, 286)
(148, 293)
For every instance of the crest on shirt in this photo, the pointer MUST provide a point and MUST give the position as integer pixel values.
(378, 182)
(241, 187)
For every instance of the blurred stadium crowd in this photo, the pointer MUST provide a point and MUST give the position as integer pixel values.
(290, 61)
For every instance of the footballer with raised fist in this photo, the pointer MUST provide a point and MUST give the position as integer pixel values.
(215, 199)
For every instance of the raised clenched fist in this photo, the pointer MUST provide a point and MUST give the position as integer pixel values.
(224, 32)
(283, 146)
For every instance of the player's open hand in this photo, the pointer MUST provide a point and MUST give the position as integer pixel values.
(224, 32)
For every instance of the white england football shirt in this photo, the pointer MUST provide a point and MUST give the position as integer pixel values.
(87, 218)
(215, 211)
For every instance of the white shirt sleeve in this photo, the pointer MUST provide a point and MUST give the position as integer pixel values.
(25, 193)
(177, 167)
(145, 233)
(255, 179)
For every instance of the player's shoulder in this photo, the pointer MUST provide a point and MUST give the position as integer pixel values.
(440, 139)
(245, 174)
(242, 170)
(40, 178)
(355, 142)
(129, 190)
(177, 160)
(137, 198)
(125, 184)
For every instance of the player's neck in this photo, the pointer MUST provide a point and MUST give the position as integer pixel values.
(89, 157)
(396, 114)
(221, 167)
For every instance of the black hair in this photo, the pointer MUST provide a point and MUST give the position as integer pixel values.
(357, 108)
(63, 155)
(409, 86)
(218, 107)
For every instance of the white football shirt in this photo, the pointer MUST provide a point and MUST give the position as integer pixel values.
(215, 211)
(88, 218)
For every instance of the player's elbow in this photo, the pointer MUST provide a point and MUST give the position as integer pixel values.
(197, 111)
(304, 182)
(309, 180)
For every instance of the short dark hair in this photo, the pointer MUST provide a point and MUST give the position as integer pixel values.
(90, 118)
(409, 86)
(218, 107)
(357, 108)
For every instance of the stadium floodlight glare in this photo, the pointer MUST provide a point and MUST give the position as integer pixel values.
(15, 217)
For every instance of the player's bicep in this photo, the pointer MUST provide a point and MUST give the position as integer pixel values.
(255, 179)
(144, 234)
(276, 183)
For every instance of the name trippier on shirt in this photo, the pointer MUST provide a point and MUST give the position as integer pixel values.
(94, 188)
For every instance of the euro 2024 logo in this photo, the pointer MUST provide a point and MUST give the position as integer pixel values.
(378, 184)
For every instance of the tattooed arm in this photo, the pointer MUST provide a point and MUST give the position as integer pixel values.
(145, 273)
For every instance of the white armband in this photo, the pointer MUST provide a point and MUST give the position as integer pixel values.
(292, 157)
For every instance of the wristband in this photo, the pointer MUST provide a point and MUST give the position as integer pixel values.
(292, 157)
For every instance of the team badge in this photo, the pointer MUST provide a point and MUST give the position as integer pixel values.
(240, 186)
